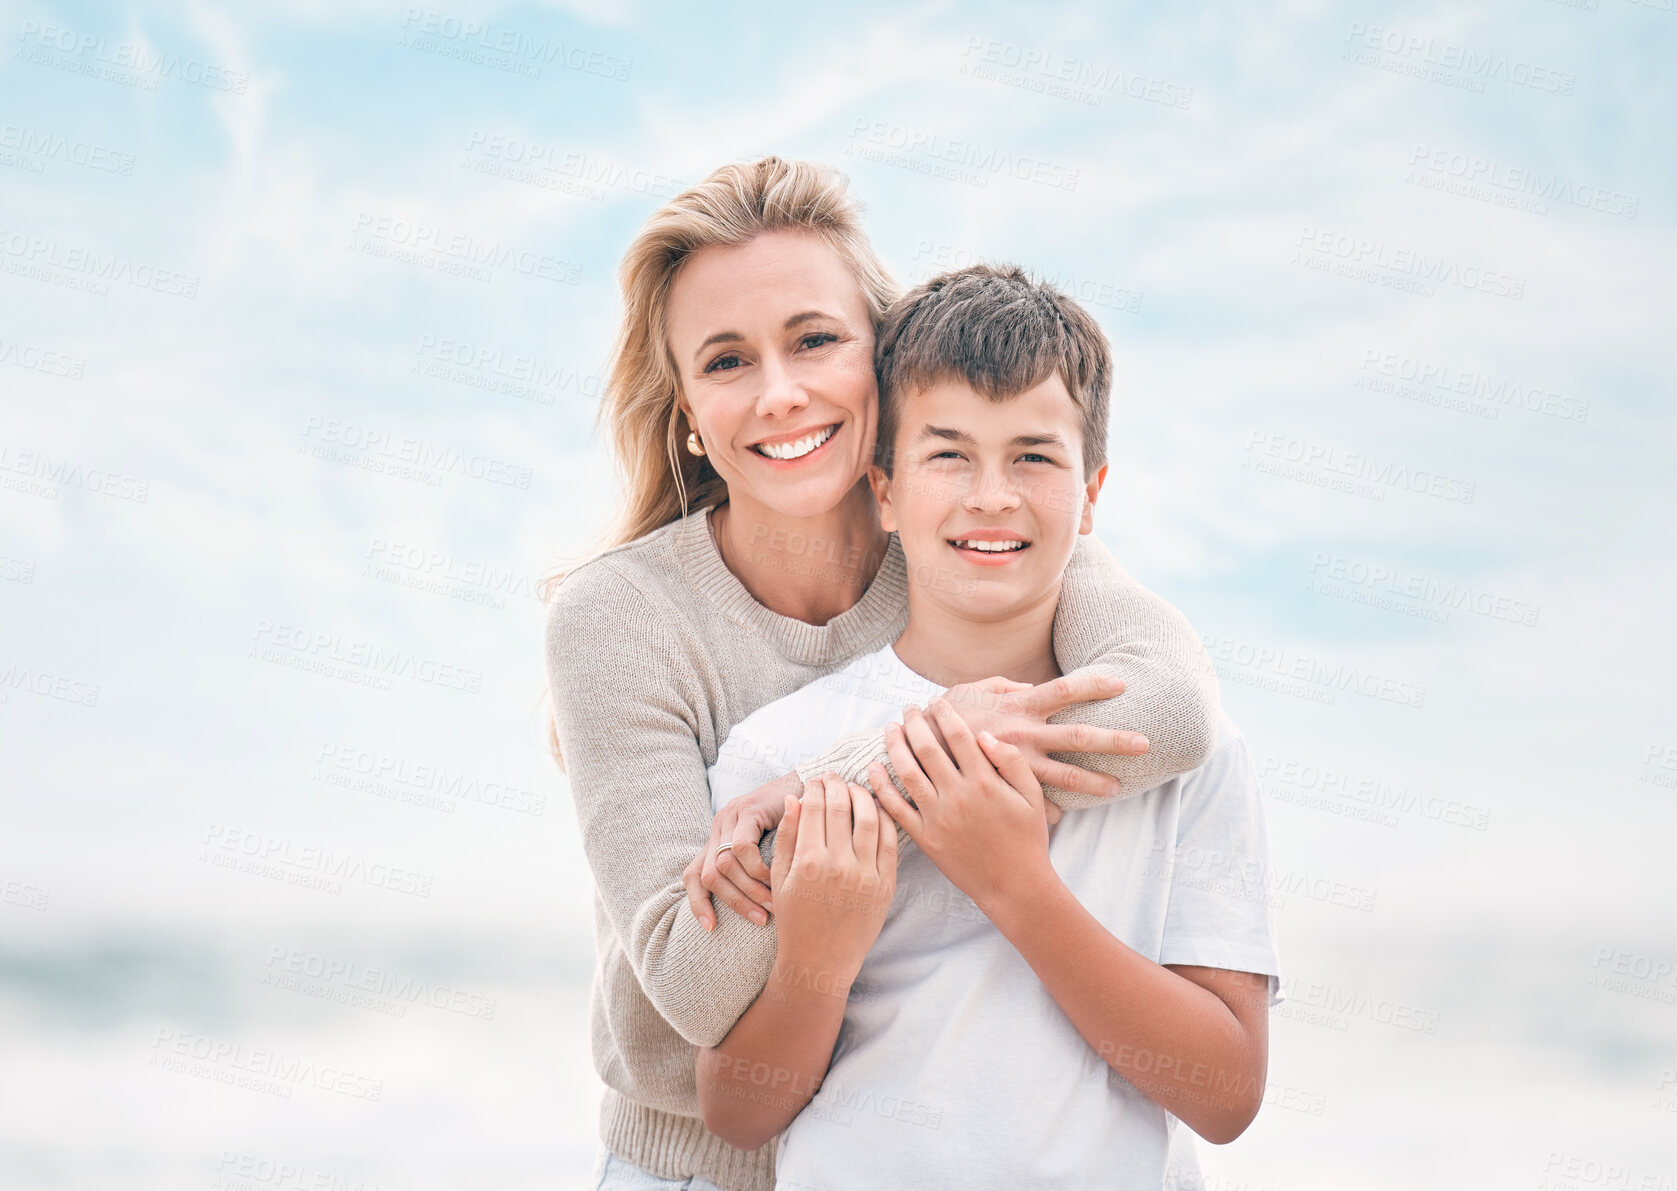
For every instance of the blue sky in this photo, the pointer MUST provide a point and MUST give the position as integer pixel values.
(1389, 291)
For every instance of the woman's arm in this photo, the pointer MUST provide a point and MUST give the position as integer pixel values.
(1107, 623)
(1133, 669)
(834, 874)
(1194, 1040)
(625, 707)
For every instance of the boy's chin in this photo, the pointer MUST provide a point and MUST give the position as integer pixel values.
(984, 600)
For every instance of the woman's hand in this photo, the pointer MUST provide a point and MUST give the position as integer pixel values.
(979, 817)
(738, 876)
(1016, 713)
(834, 874)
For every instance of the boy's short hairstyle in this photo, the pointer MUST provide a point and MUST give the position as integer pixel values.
(995, 329)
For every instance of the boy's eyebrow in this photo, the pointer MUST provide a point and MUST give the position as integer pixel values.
(1019, 440)
(735, 336)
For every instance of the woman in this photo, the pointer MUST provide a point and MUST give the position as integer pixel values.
(748, 561)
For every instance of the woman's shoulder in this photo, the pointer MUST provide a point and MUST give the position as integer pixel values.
(601, 625)
(634, 568)
(621, 594)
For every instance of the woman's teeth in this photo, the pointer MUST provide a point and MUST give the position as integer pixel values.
(992, 547)
(798, 448)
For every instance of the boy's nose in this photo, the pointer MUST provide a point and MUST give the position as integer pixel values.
(992, 497)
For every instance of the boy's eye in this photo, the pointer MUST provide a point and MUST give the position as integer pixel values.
(1033, 457)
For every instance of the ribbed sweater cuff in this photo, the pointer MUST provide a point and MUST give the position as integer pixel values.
(849, 757)
(676, 1147)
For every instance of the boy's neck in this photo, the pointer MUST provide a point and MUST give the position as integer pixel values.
(949, 649)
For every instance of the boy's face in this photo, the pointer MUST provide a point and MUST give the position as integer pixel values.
(988, 497)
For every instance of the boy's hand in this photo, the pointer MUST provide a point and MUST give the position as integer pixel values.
(738, 875)
(1017, 713)
(979, 817)
(834, 874)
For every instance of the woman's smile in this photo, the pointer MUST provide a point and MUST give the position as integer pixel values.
(798, 447)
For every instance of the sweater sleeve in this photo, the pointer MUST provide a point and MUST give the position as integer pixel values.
(628, 708)
(1106, 623)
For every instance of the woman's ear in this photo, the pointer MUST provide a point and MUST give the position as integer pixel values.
(881, 485)
(1093, 491)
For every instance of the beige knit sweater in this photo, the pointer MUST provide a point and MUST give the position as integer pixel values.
(654, 652)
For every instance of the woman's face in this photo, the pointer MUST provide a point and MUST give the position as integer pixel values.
(773, 348)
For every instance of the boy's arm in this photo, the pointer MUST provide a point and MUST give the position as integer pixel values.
(834, 874)
(1192, 1039)
(1137, 706)
(772, 1062)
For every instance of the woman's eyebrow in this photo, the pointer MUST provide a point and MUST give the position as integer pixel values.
(736, 337)
(719, 337)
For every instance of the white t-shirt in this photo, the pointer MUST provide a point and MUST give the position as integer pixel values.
(954, 1067)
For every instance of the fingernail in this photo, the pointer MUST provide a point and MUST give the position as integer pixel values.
(760, 918)
(769, 905)
(1140, 741)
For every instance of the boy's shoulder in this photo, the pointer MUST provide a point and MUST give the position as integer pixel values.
(875, 677)
(1229, 735)
(855, 693)
(1228, 761)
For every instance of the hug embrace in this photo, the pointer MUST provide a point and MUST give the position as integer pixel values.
(924, 855)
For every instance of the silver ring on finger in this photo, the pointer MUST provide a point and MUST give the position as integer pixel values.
(722, 849)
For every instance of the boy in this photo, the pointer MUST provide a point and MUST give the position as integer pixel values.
(1034, 1009)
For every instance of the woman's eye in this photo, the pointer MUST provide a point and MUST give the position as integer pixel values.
(724, 363)
(819, 339)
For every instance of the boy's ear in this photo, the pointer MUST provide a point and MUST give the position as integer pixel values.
(881, 485)
(1093, 491)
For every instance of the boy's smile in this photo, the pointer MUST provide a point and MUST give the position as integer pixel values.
(990, 547)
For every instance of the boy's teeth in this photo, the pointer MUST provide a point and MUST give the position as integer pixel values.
(799, 448)
(991, 547)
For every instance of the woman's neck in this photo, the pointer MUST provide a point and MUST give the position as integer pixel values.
(809, 568)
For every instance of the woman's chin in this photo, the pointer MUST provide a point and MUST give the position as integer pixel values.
(801, 498)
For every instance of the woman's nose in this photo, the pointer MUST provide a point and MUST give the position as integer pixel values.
(781, 392)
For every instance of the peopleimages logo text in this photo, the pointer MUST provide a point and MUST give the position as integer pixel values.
(1425, 266)
(963, 152)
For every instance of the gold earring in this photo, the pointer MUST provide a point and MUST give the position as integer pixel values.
(694, 446)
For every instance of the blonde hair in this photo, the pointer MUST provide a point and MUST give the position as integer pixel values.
(662, 481)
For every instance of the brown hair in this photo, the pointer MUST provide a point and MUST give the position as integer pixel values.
(995, 329)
